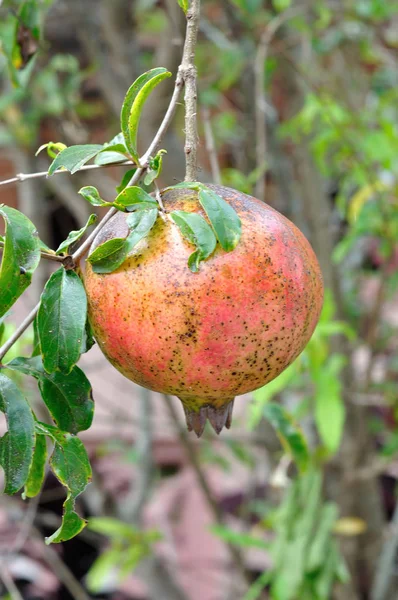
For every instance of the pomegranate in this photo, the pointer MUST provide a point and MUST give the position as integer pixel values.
(208, 336)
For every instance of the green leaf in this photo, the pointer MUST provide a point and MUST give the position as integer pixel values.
(36, 350)
(16, 446)
(70, 464)
(133, 198)
(21, 256)
(75, 236)
(133, 105)
(91, 194)
(320, 540)
(67, 397)
(112, 528)
(197, 231)
(61, 321)
(113, 152)
(74, 157)
(125, 180)
(140, 223)
(88, 338)
(329, 404)
(155, 167)
(37, 469)
(281, 5)
(223, 218)
(108, 562)
(184, 5)
(106, 250)
(243, 540)
(53, 149)
(289, 433)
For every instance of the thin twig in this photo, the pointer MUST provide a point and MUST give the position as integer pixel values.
(385, 567)
(211, 147)
(235, 553)
(135, 500)
(188, 71)
(18, 332)
(9, 583)
(20, 177)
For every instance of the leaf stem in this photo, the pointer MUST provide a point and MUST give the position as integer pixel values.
(188, 73)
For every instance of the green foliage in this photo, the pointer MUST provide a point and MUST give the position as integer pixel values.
(61, 321)
(289, 434)
(16, 446)
(37, 469)
(134, 198)
(68, 397)
(133, 104)
(305, 556)
(75, 236)
(113, 152)
(140, 224)
(73, 158)
(21, 256)
(154, 168)
(184, 5)
(197, 231)
(223, 220)
(128, 546)
(69, 463)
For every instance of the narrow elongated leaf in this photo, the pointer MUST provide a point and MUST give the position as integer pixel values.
(67, 397)
(125, 180)
(140, 223)
(70, 464)
(184, 5)
(197, 231)
(75, 236)
(289, 433)
(106, 250)
(16, 446)
(37, 469)
(223, 218)
(133, 105)
(134, 198)
(73, 158)
(21, 256)
(61, 321)
(242, 539)
(329, 403)
(91, 194)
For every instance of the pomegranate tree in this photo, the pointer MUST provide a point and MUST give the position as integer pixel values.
(225, 329)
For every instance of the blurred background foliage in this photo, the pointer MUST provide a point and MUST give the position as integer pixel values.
(298, 106)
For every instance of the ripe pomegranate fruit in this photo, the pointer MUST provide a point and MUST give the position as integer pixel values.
(208, 336)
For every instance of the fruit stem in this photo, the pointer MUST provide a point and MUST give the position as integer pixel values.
(188, 73)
